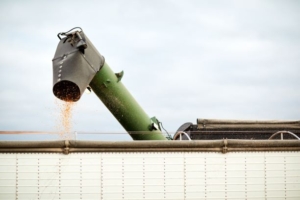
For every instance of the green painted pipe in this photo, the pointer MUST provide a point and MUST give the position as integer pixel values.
(108, 87)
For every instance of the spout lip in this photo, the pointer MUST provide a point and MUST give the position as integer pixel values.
(67, 91)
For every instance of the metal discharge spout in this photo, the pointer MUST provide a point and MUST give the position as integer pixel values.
(78, 65)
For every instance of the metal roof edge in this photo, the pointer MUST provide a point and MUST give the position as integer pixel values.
(223, 146)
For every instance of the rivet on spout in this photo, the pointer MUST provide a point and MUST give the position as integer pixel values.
(59, 75)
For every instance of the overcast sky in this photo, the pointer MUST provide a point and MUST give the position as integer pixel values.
(182, 60)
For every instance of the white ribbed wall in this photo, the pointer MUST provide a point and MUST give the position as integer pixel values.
(178, 175)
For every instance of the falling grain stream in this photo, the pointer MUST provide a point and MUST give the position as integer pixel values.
(65, 123)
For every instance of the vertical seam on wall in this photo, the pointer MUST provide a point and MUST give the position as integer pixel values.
(144, 196)
(123, 195)
(59, 178)
(80, 178)
(265, 174)
(165, 175)
(101, 175)
(246, 195)
(184, 173)
(205, 175)
(38, 179)
(17, 176)
(284, 177)
(225, 174)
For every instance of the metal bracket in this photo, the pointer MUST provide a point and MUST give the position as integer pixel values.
(106, 83)
(66, 149)
(120, 75)
(65, 33)
(154, 124)
(154, 127)
(225, 149)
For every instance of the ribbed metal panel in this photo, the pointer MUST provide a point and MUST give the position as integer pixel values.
(150, 175)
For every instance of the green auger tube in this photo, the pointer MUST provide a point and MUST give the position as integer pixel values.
(78, 65)
(108, 87)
